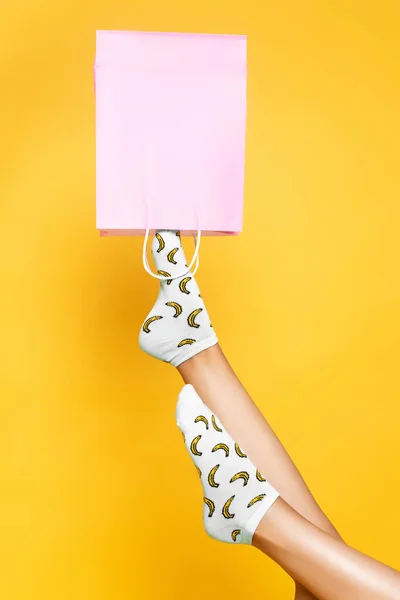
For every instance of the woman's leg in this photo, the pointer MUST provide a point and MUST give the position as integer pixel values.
(220, 389)
(242, 507)
(178, 331)
(323, 564)
(167, 334)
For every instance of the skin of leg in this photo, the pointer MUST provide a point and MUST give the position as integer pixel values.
(302, 593)
(322, 563)
(217, 385)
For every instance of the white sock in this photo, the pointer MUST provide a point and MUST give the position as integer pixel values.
(178, 326)
(236, 495)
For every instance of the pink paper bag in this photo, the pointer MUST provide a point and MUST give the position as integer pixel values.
(171, 123)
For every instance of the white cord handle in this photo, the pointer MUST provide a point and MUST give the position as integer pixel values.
(195, 259)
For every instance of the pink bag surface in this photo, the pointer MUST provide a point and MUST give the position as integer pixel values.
(171, 125)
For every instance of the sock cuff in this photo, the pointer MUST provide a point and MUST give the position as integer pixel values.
(194, 349)
(271, 496)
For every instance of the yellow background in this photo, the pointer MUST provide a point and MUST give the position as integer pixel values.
(91, 507)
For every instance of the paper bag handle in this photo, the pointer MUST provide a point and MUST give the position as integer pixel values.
(195, 259)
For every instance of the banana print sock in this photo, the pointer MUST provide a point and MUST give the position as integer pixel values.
(236, 495)
(178, 326)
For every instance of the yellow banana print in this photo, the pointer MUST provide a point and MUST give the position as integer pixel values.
(225, 510)
(183, 284)
(185, 342)
(192, 316)
(203, 419)
(161, 243)
(241, 475)
(211, 475)
(211, 506)
(239, 452)
(165, 274)
(148, 322)
(170, 256)
(199, 472)
(214, 424)
(193, 446)
(256, 499)
(235, 533)
(176, 306)
(259, 476)
(223, 447)
(178, 234)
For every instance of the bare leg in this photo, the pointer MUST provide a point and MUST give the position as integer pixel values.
(322, 563)
(217, 385)
(302, 593)
(219, 388)
(170, 339)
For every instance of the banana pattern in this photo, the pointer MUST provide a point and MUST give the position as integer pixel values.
(235, 493)
(184, 314)
(176, 306)
(192, 316)
(211, 506)
(161, 243)
(239, 452)
(202, 419)
(235, 533)
(193, 446)
(185, 342)
(211, 476)
(170, 256)
(223, 447)
(214, 424)
(241, 475)
(256, 499)
(165, 274)
(259, 476)
(227, 515)
(183, 284)
(225, 509)
(149, 322)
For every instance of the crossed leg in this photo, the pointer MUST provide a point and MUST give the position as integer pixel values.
(295, 531)
(220, 389)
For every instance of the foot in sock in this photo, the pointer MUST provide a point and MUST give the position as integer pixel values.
(178, 327)
(236, 495)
